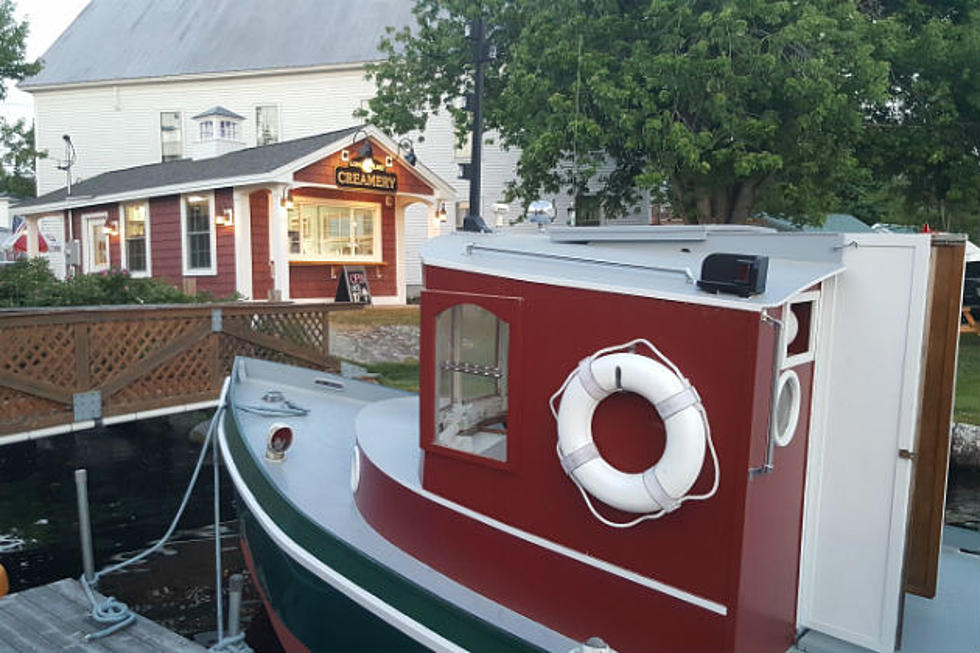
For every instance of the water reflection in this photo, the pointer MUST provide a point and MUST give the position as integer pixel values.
(137, 474)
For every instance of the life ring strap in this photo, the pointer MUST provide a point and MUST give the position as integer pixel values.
(657, 491)
(587, 379)
(575, 459)
(677, 402)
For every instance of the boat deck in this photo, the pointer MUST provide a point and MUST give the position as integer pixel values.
(55, 617)
(318, 466)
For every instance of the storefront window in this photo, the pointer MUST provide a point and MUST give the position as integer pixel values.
(472, 346)
(334, 232)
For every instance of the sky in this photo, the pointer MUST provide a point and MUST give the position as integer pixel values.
(48, 19)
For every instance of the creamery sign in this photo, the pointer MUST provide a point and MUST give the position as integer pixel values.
(357, 178)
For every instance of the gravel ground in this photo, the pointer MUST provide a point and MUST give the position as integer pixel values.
(375, 344)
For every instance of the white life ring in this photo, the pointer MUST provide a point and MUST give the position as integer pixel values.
(662, 487)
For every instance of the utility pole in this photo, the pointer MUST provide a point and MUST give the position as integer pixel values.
(473, 172)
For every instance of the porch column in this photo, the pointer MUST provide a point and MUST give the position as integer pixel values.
(33, 238)
(279, 243)
(243, 242)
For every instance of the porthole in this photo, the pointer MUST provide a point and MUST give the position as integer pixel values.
(786, 408)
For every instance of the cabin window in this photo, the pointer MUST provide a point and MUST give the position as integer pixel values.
(135, 238)
(332, 231)
(171, 140)
(472, 345)
(197, 225)
(229, 130)
(207, 130)
(266, 124)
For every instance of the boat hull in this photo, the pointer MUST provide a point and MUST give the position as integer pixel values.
(324, 595)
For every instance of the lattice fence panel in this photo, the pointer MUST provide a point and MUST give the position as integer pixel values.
(23, 412)
(304, 329)
(42, 353)
(231, 347)
(186, 375)
(116, 346)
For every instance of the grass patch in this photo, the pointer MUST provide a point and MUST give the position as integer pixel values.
(403, 376)
(377, 316)
(966, 407)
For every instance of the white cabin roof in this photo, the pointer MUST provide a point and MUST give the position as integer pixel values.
(658, 262)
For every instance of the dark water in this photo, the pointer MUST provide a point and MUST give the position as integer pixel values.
(137, 474)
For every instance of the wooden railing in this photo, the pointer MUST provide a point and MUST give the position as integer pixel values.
(67, 368)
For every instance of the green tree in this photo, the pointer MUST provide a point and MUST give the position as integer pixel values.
(923, 141)
(721, 107)
(17, 153)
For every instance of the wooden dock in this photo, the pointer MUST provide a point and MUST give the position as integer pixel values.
(55, 618)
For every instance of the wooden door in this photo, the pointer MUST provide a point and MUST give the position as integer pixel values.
(931, 453)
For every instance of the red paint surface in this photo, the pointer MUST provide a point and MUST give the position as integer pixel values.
(290, 643)
(324, 170)
(573, 598)
(721, 549)
(261, 260)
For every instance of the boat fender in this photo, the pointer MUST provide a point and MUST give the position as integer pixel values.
(662, 488)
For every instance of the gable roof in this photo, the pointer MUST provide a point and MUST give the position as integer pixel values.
(260, 164)
(219, 111)
(113, 40)
(240, 163)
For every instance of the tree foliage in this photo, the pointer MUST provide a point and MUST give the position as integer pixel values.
(722, 107)
(923, 142)
(17, 153)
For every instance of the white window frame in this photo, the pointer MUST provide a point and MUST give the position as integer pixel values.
(184, 249)
(376, 257)
(183, 132)
(255, 112)
(123, 261)
(88, 261)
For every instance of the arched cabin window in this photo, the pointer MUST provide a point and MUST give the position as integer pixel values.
(471, 358)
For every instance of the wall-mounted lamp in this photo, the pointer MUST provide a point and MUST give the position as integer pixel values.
(286, 201)
(111, 228)
(226, 218)
(405, 145)
(365, 153)
(441, 214)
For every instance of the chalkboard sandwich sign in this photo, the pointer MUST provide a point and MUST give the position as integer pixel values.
(353, 286)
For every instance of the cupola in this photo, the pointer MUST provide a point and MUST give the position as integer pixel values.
(219, 131)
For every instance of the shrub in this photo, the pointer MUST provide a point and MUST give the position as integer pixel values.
(30, 282)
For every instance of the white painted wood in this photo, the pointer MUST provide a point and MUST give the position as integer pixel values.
(417, 217)
(243, 241)
(865, 408)
(279, 246)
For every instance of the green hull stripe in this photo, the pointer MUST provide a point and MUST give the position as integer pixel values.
(417, 603)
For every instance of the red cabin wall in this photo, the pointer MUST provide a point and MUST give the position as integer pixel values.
(704, 548)
(258, 203)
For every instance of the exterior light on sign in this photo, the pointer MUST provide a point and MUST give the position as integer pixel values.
(367, 163)
(405, 145)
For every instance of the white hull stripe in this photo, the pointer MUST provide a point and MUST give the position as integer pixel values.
(355, 592)
(578, 556)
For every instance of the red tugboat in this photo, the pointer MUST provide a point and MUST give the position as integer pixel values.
(608, 451)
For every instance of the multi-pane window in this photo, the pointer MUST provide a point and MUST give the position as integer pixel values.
(472, 345)
(197, 231)
(229, 130)
(171, 140)
(334, 232)
(134, 229)
(266, 124)
(207, 130)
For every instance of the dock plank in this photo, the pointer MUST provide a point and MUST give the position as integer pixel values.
(153, 636)
(55, 617)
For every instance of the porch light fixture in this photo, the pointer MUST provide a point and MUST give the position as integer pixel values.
(226, 218)
(441, 214)
(111, 228)
(405, 145)
(287, 199)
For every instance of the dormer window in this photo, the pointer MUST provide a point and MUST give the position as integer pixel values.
(219, 123)
(229, 130)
